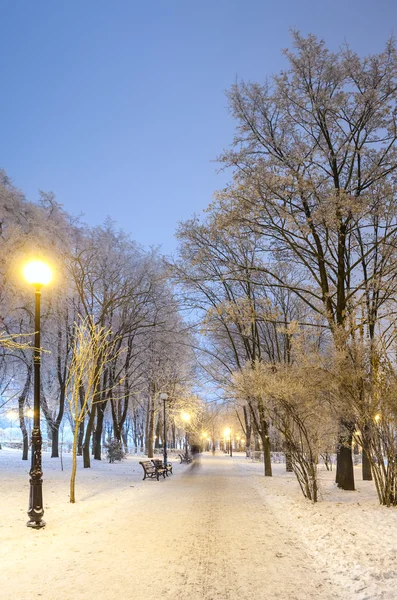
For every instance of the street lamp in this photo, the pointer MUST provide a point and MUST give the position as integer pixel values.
(164, 398)
(228, 435)
(38, 274)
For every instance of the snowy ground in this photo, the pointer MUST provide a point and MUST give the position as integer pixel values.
(219, 532)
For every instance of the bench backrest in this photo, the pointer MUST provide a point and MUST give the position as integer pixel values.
(147, 465)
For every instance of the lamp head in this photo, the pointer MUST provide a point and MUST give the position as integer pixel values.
(163, 396)
(37, 272)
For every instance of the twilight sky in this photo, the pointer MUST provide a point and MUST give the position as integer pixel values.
(118, 106)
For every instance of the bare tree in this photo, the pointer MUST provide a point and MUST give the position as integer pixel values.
(314, 159)
(91, 352)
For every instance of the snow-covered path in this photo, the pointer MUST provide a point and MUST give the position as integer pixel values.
(205, 534)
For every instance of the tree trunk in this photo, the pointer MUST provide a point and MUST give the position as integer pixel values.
(87, 439)
(267, 461)
(76, 434)
(124, 438)
(55, 442)
(150, 440)
(158, 435)
(366, 466)
(248, 431)
(173, 430)
(22, 424)
(80, 438)
(21, 407)
(98, 431)
(344, 461)
(81, 425)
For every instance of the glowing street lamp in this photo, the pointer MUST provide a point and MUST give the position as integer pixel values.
(228, 435)
(38, 274)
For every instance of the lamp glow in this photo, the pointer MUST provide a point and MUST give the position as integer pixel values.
(37, 272)
(228, 431)
(185, 417)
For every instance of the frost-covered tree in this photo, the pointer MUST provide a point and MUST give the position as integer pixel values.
(314, 160)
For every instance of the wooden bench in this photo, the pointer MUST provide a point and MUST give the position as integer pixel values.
(185, 459)
(151, 471)
(160, 465)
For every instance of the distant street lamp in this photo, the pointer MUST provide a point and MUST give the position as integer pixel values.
(164, 398)
(38, 274)
(228, 435)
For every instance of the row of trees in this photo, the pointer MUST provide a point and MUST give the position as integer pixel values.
(112, 331)
(291, 277)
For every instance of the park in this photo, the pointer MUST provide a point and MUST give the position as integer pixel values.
(198, 300)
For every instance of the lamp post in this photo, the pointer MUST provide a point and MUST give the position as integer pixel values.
(38, 274)
(164, 398)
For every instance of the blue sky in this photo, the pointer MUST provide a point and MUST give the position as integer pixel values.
(118, 106)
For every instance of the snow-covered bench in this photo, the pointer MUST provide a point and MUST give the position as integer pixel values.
(151, 471)
(184, 458)
(159, 465)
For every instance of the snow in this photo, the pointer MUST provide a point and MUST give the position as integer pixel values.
(218, 532)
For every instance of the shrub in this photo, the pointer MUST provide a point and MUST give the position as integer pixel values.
(114, 450)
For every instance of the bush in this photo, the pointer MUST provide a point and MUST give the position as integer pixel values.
(115, 450)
